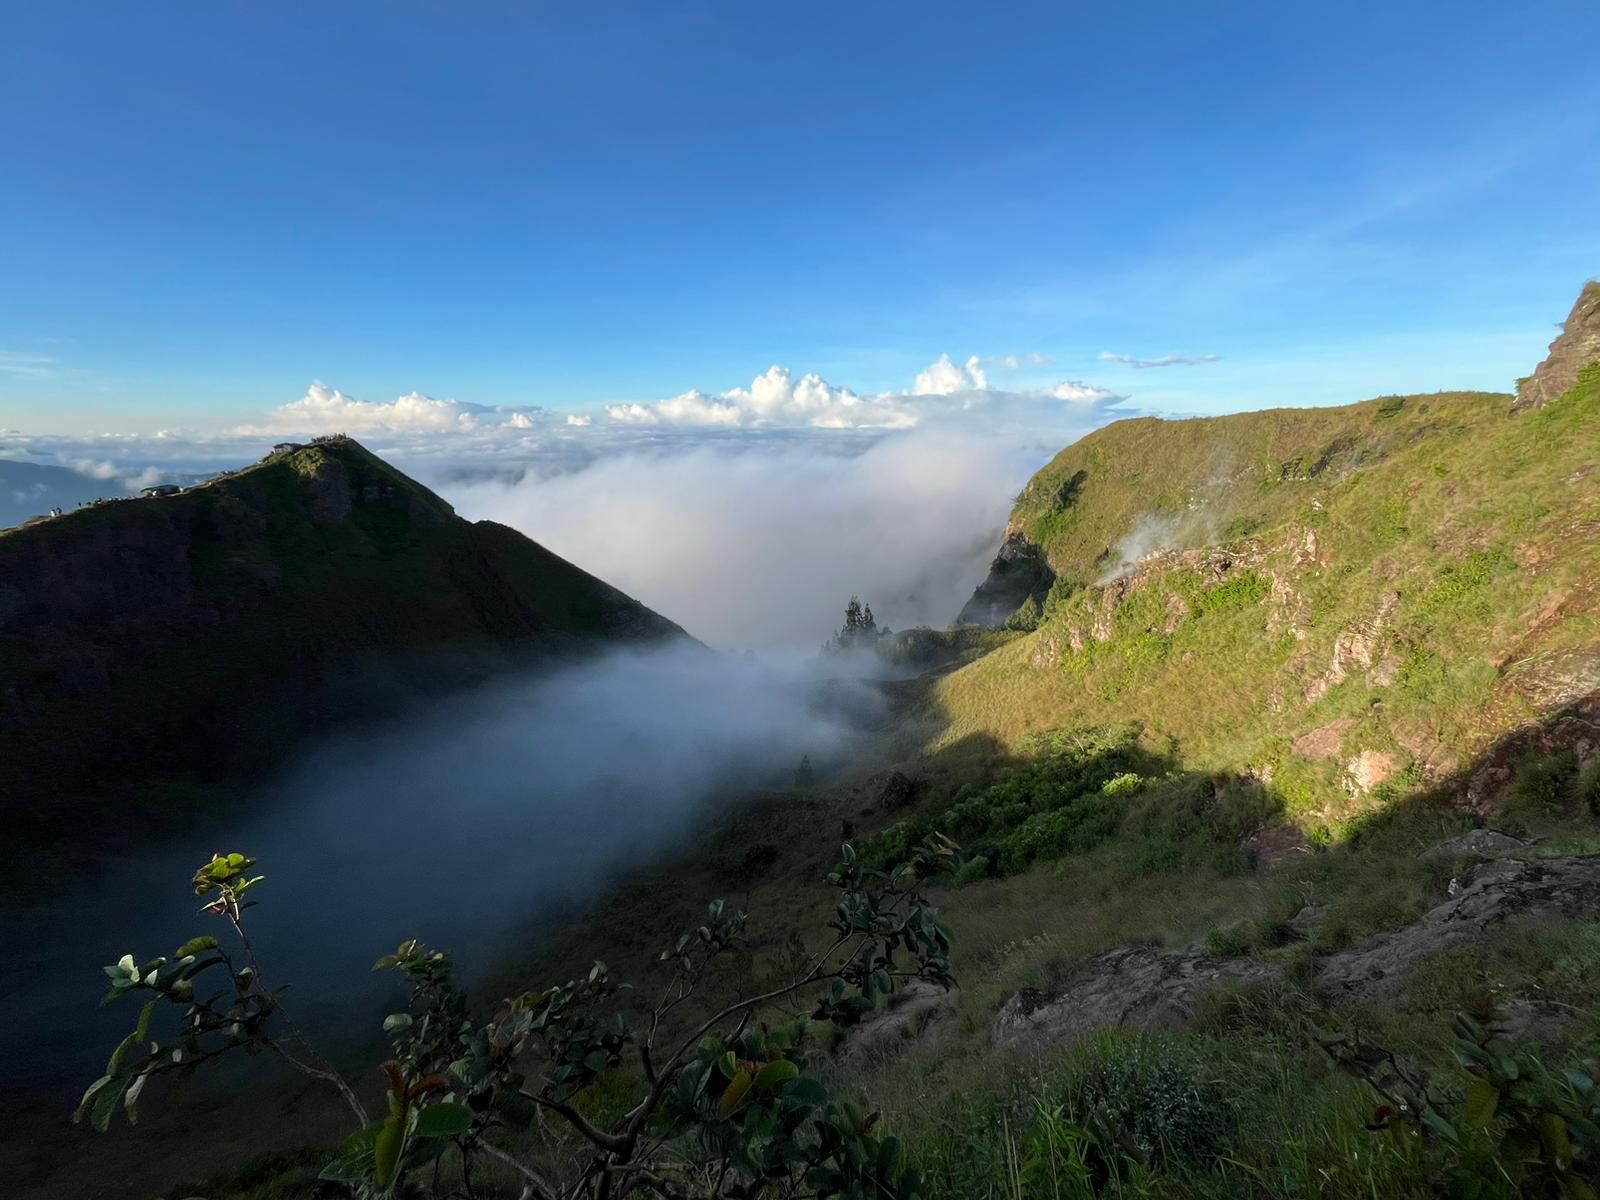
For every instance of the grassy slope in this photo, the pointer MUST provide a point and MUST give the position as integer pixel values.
(1483, 526)
(149, 647)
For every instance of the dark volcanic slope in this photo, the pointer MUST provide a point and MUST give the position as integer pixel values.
(148, 646)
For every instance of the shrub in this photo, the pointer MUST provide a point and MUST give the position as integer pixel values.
(1587, 789)
(1026, 618)
(1545, 781)
(1082, 774)
(974, 869)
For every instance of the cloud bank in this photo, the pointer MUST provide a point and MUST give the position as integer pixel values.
(759, 546)
(777, 399)
(325, 409)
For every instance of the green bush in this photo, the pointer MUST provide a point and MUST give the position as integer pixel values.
(974, 869)
(1069, 798)
(1587, 789)
(1026, 618)
(1545, 781)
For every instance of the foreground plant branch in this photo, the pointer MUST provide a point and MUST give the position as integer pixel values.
(729, 1109)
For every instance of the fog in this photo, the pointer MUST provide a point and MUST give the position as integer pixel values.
(461, 827)
(761, 545)
(481, 823)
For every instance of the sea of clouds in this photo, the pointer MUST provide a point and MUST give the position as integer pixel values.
(749, 515)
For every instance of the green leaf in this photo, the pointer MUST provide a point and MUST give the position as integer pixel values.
(889, 1159)
(1482, 1100)
(396, 1022)
(443, 1120)
(774, 1074)
(130, 1099)
(735, 1092)
(1553, 1133)
(142, 1030)
(804, 1093)
(106, 1102)
(386, 1150)
(196, 945)
(89, 1094)
(1435, 1121)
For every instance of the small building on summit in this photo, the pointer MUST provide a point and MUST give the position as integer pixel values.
(161, 489)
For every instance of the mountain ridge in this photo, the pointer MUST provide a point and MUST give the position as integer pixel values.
(196, 637)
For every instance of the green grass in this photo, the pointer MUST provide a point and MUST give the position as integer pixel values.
(1436, 524)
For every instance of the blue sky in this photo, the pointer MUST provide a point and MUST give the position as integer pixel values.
(204, 207)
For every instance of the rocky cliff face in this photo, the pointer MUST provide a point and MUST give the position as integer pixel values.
(1575, 349)
(155, 645)
(1018, 571)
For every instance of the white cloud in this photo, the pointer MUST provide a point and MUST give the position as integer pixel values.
(946, 378)
(325, 409)
(1040, 360)
(942, 392)
(1009, 362)
(578, 422)
(775, 398)
(1080, 393)
(1166, 360)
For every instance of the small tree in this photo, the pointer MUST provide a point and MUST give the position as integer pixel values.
(805, 774)
(1026, 618)
(860, 627)
(721, 1104)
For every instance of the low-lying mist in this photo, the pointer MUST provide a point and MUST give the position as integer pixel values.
(461, 828)
(761, 545)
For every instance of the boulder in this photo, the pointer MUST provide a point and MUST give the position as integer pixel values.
(1131, 987)
(920, 1011)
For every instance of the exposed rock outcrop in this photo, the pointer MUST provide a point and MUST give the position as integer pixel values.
(1490, 895)
(1146, 988)
(1131, 987)
(1576, 347)
(921, 1011)
(1356, 648)
(1018, 571)
(1475, 843)
(1576, 727)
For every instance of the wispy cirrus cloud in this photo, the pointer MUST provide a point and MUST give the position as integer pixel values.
(28, 366)
(1166, 360)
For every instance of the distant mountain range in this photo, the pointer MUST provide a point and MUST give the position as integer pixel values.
(30, 489)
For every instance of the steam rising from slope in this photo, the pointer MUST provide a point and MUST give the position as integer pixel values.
(760, 546)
